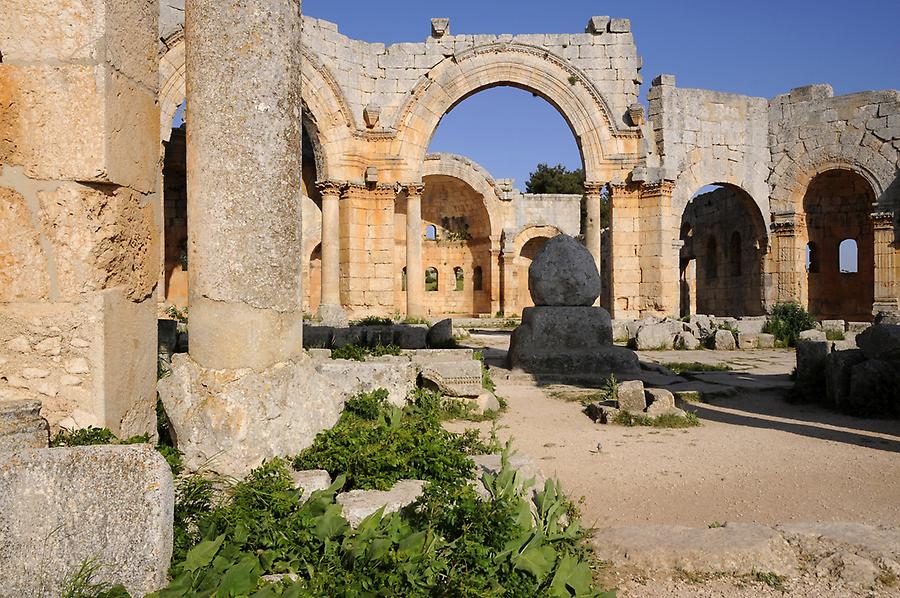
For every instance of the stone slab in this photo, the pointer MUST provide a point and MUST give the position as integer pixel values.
(359, 504)
(22, 427)
(61, 507)
(736, 548)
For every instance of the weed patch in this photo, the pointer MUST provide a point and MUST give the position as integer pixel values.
(669, 420)
(358, 353)
(680, 367)
(787, 321)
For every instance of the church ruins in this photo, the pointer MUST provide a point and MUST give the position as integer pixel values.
(107, 210)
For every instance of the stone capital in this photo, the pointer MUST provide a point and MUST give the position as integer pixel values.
(330, 187)
(593, 187)
(412, 189)
(786, 224)
(882, 220)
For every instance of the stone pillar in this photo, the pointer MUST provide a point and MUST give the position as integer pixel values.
(790, 258)
(244, 152)
(658, 251)
(510, 275)
(79, 147)
(495, 280)
(593, 228)
(887, 265)
(330, 310)
(415, 272)
(625, 236)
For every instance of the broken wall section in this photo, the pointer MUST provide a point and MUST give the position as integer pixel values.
(78, 260)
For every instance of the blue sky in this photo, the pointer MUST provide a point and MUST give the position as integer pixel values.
(759, 47)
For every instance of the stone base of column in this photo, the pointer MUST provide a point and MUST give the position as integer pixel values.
(333, 315)
(229, 421)
(91, 362)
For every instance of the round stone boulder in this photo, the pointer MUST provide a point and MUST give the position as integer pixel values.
(564, 273)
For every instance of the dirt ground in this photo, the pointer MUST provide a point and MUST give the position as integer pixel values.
(755, 458)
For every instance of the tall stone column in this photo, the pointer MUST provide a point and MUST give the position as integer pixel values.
(658, 250)
(887, 265)
(330, 310)
(415, 272)
(593, 225)
(510, 275)
(495, 280)
(243, 178)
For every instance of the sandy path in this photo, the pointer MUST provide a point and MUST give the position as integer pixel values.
(756, 458)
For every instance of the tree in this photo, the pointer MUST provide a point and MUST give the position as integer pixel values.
(559, 179)
(555, 179)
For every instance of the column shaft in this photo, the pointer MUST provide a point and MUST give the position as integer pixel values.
(331, 245)
(593, 222)
(887, 265)
(415, 273)
(243, 156)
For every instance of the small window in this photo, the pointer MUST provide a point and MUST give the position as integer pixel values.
(403, 279)
(735, 256)
(849, 256)
(812, 258)
(431, 280)
(460, 278)
(477, 283)
(712, 258)
(431, 232)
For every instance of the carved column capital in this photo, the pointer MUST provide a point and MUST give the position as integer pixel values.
(882, 220)
(593, 187)
(412, 189)
(786, 224)
(330, 187)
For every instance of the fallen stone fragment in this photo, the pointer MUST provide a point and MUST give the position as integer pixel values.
(631, 396)
(359, 504)
(311, 480)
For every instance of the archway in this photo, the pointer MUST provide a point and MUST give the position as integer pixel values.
(724, 245)
(836, 209)
(527, 244)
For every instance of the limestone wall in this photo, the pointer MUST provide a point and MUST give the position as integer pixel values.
(708, 137)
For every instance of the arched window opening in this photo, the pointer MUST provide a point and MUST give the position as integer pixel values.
(735, 254)
(403, 279)
(431, 232)
(812, 258)
(431, 280)
(477, 282)
(460, 278)
(712, 258)
(848, 253)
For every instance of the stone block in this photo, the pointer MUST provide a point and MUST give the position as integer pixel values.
(748, 340)
(834, 326)
(311, 480)
(411, 336)
(229, 421)
(25, 267)
(61, 507)
(21, 426)
(631, 396)
(341, 337)
(838, 366)
(811, 358)
(686, 341)
(750, 325)
(881, 341)
(318, 337)
(660, 397)
(440, 334)
(620, 331)
(813, 335)
(356, 505)
(765, 341)
(454, 378)
(874, 389)
(597, 25)
(654, 337)
(379, 335)
(857, 327)
(619, 25)
(319, 354)
(724, 341)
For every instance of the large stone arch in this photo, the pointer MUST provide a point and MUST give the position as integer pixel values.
(720, 172)
(475, 176)
(527, 67)
(533, 231)
(789, 184)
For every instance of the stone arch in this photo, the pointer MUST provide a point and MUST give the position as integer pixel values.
(472, 174)
(789, 187)
(722, 260)
(171, 82)
(533, 231)
(526, 244)
(697, 175)
(524, 66)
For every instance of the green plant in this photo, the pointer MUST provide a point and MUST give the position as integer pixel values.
(414, 320)
(375, 444)
(372, 321)
(669, 420)
(680, 367)
(573, 79)
(787, 321)
(358, 353)
(773, 580)
(83, 584)
(834, 335)
(610, 388)
(486, 381)
(179, 315)
(716, 525)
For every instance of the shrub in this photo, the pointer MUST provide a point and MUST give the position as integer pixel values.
(669, 420)
(372, 321)
(375, 444)
(357, 353)
(679, 367)
(787, 321)
(92, 436)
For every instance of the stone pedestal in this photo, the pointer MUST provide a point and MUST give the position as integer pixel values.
(562, 341)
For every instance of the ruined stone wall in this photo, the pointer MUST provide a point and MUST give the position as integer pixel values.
(371, 74)
(79, 258)
(708, 137)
